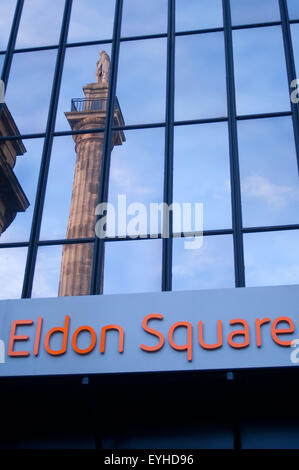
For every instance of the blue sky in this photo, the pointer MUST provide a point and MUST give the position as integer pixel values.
(269, 177)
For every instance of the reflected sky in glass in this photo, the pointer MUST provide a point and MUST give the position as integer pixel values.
(269, 175)
(201, 171)
(26, 170)
(260, 71)
(208, 267)
(272, 258)
(137, 169)
(47, 271)
(12, 268)
(200, 86)
(7, 9)
(198, 14)
(91, 20)
(295, 41)
(293, 7)
(40, 23)
(254, 11)
(59, 189)
(141, 83)
(141, 17)
(29, 89)
(2, 56)
(132, 266)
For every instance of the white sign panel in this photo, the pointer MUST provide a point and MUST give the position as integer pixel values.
(169, 331)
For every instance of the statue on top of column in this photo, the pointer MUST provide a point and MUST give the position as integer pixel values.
(103, 68)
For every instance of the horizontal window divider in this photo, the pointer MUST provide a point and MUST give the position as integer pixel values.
(66, 241)
(199, 31)
(143, 37)
(148, 36)
(138, 126)
(270, 228)
(36, 49)
(158, 236)
(256, 25)
(200, 121)
(84, 131)
(88, 43)
(14, 245)
(22, 136)
(146, 126)
(244, 117)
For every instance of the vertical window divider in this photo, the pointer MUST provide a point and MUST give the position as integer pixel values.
(98, 257)
(46, 155)
(11, 44)
(233, 149)
(169, 144)
(291, 68)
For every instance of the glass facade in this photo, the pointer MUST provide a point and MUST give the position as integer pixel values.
(203, 90)
(156, 101)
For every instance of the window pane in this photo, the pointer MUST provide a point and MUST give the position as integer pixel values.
(91, 20)
(132, 266)
(29, 89)
(7, 9)
(79, 71)
(295, 41)
(254, 11)
(73, 186)
(142, 81)
(12, 268)
(40, 23)
(293, 6)
(200, 88)
(137, 168)
(272, 258)
(59, 189)
(2, 56)
(209, 267)
(22, 183)
(201, 171)
(198, 14)
(142, 17)
(63, 270)
(269, 174)
(260, 71)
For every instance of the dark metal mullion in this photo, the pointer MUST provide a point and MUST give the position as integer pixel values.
(11, 44)
(169, 138)
(98, 257)
(247, 117)
(206, 233)
(45, 161)
(291, 68)
(242, 117)
(270, 228)
(233, 150)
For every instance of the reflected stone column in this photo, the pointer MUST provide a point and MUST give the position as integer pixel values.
(77, 259)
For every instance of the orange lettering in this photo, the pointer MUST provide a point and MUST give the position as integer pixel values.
(121, 337)
(151, 331)
(258, 324)
(283, 331)
(92, 343)
(219, 333)
(14, 337)
(64, 330)
(244, 332)
(37, 335)
(185, 347)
